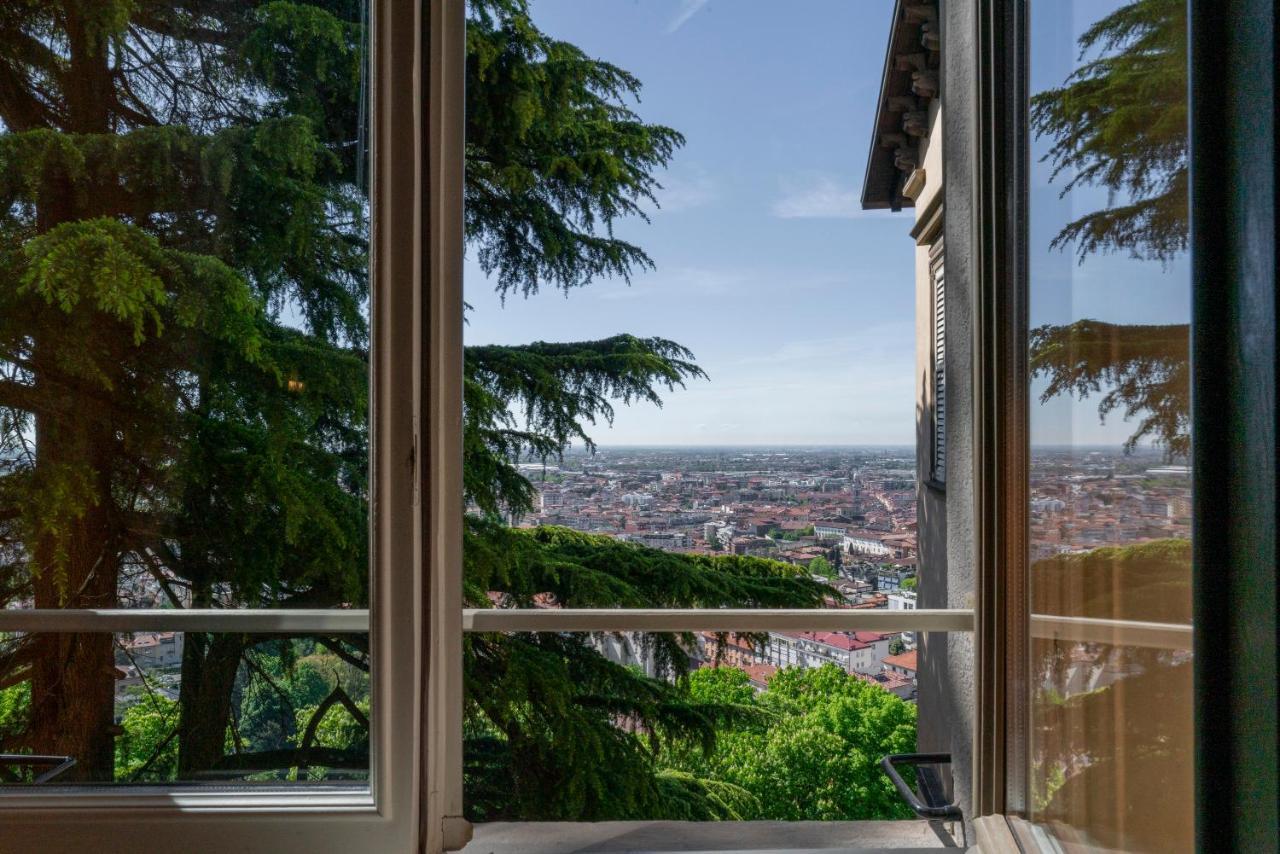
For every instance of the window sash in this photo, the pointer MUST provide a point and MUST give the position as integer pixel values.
(387, 814)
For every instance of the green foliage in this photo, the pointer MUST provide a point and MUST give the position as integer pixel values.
(15, 709)
(814, 753)
(147, 750)
(280, 696)
(799, 534)
(337, 727)
(544, 711)
(184, 326)
(909, 583)
(555, 156)
(1147, 582)
(820, 566)
(586, 570)
(558, 391)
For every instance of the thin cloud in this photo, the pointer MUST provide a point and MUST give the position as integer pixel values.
(823, 198)
(688, 8)
(681, 194)
(674, 283)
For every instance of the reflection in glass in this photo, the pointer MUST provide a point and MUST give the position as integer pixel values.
(1110, 490)
(183, 339)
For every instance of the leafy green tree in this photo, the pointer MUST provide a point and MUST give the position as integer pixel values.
(820, 566)
(812, 749)
(147, 750)
(1120, 122)
(182, 339)
(543, 710)
(183, 373)
(15, 709)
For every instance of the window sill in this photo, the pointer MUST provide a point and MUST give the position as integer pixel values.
(775, 837)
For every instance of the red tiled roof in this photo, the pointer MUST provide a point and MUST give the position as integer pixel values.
(905, 660)
(840, 640)
(760, 674)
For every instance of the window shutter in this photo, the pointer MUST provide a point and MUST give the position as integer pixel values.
(939, 370)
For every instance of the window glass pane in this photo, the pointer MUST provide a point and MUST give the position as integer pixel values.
(184, 324)
(1111, 749)
(294, 710)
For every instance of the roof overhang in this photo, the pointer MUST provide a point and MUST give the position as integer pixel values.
(911, 79)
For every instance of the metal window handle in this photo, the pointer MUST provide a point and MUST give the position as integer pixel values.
(936, 808)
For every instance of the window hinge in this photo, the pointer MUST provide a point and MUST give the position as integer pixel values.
(456, 832)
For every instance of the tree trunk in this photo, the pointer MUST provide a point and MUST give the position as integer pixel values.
(209, 667)
(77, 555)
(73, 675)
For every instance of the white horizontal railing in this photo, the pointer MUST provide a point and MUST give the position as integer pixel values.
(1173, 636)
(355, 621)
(713, 620)
(254, 620)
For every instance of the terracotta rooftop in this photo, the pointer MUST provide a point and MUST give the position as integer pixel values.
(906, 660)
(839, 640)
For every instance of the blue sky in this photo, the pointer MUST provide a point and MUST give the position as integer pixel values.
(797, 304)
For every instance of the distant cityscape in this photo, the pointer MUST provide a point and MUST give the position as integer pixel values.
(846, 514)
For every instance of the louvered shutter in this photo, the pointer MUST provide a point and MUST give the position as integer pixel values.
(939, 372)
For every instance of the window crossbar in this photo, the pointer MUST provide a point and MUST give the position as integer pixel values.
(255, 620)
(714, 620)
(1135, 633)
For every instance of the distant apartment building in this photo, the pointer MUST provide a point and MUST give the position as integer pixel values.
(665, 540)
(864, 546)
(150, 650)
(853, 652)
(903, 664)
(829, 530)
(904, 600)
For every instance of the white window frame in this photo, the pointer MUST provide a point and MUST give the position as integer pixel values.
(407, 380)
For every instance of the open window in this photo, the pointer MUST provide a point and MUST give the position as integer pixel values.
(212, 630)
(254, 599)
